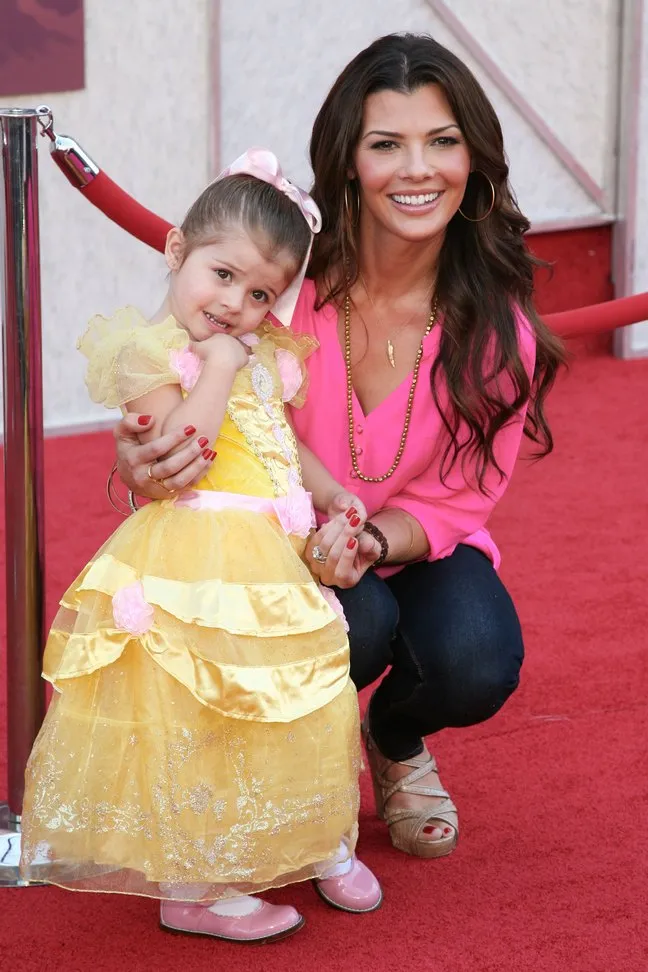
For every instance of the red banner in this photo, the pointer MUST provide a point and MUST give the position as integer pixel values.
(41, 46)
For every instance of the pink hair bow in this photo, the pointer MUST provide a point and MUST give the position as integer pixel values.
(264, 164)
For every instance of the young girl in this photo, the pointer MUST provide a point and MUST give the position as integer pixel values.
(203, 744)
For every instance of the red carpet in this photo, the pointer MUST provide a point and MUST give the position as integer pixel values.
(550, 874)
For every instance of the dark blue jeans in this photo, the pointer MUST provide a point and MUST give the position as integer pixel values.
(452, 636)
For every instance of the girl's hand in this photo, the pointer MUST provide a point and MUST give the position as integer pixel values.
(349, 552)
(134, 461)
(222, 349)
(348, 505)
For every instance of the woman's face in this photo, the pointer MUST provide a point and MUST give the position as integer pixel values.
(412, 164)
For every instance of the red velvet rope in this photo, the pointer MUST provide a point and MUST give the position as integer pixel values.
(140, 222)
(117, 205)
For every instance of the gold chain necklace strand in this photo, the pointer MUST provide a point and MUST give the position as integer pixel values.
(390, 346)
(410, 400)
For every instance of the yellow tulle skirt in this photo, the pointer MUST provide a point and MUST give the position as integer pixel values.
(215, 751)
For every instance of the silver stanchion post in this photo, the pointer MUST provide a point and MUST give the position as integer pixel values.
(23, 459)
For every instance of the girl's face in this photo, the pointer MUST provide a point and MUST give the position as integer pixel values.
(412, 164)
(224, 287)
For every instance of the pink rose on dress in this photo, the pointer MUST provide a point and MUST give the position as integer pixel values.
(332, 599)
(187, 366)
(250, 340)
(131, 610)
(295, 511)
(290, 373)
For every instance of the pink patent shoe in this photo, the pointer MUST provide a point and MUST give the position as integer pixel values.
(356, 891)
(268, 923)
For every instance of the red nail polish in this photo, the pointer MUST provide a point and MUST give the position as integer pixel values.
(352, 542)
(202, 441)
(447, 830)
(354, 521)
(189, 429)
(213, 455)
(349, 513)
(207, 454)
(143, 419)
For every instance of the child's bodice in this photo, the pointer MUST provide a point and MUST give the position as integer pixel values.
(257, 451)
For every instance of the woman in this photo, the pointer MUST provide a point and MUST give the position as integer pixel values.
(432, 364)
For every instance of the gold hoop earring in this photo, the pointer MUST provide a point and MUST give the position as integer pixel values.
(349, 207)
(490, 208)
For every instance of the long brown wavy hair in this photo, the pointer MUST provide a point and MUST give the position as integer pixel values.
(484, 268)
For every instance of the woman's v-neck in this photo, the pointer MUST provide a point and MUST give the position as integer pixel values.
(395, 396)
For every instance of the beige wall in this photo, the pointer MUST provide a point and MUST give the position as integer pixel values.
(144, 117)
(148, 117)
(278, 64)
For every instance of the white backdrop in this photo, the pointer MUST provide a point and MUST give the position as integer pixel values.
(157, 102)
(561, 54)
(143, 116)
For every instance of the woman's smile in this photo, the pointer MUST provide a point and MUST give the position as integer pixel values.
(416, 203)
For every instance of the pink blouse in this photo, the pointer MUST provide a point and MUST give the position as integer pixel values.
(450, 514)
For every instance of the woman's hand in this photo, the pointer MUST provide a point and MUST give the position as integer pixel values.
(348, 551)
(134, 461)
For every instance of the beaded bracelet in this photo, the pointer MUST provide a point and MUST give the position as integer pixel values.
(378, 535)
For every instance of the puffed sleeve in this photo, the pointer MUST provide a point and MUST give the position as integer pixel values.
(128, 358)
(291, 351)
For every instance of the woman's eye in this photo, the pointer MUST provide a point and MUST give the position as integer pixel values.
(384, 146)
(260, 296)
(223, 274)
(445, 140)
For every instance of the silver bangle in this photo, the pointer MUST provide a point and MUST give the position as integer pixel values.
(113, 496)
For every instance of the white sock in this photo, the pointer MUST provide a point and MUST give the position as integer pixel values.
(184, 892)
(340, 864)
(244, 904)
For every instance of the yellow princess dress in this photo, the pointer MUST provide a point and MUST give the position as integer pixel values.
(203, 740)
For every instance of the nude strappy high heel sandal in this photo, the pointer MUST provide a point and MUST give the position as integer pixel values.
(406, 826)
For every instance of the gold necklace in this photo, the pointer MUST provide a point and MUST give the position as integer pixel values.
(390, 346)
(410, 399)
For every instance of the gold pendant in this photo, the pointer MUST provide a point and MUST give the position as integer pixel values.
(390, 353)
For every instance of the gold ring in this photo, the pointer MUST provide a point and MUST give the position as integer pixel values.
(158, 482)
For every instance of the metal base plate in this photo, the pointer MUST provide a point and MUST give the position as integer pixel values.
(10, 850)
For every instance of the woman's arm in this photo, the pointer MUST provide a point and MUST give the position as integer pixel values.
(406, 539)
(428, 518)
(351, 551)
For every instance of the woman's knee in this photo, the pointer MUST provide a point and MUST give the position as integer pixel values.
(476, 694)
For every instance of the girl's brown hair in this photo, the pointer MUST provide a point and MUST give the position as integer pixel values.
(262, 210)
